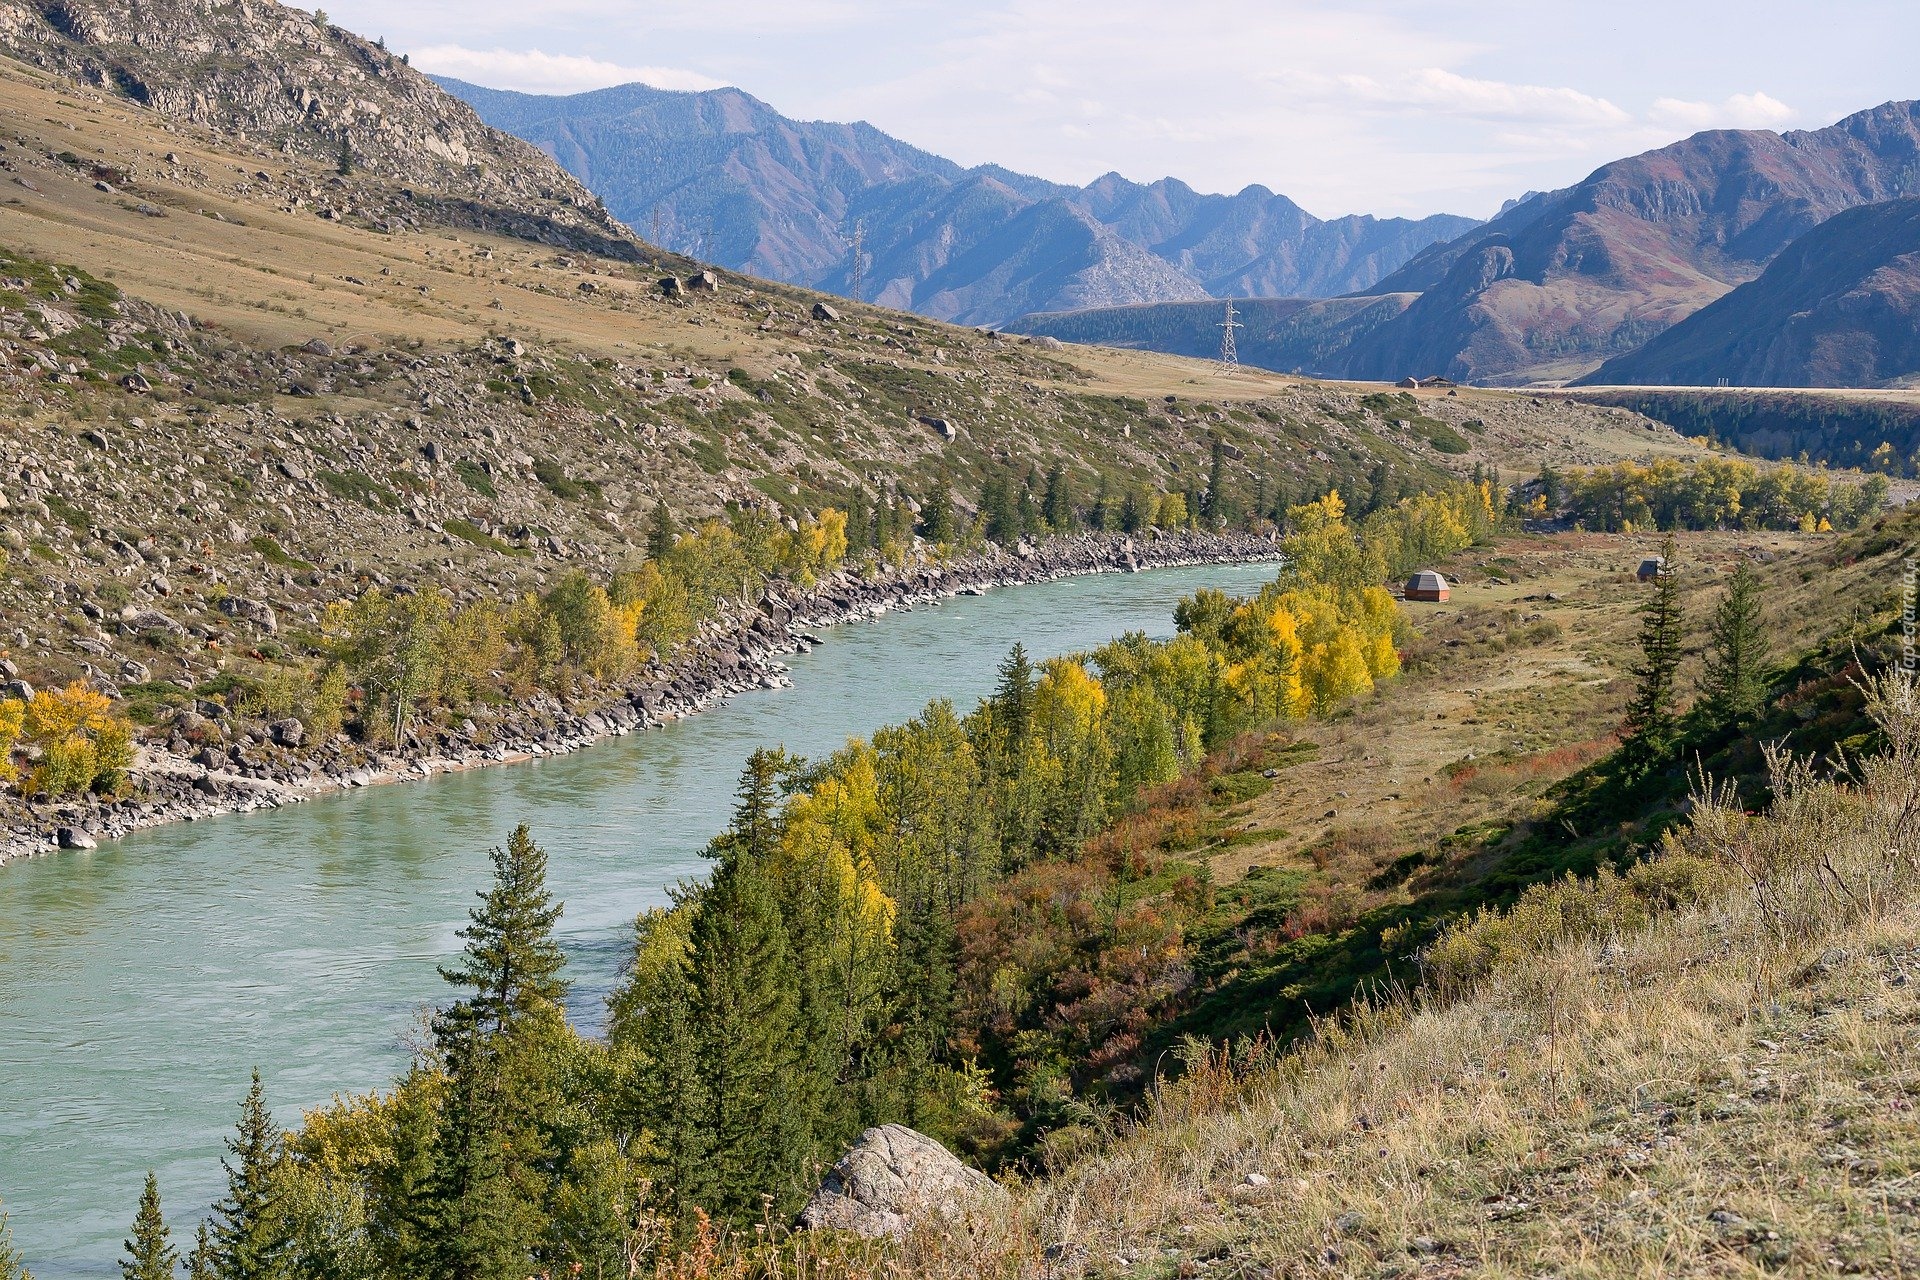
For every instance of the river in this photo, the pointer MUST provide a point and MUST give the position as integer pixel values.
(140, 983)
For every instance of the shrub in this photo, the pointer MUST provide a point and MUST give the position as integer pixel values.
(82, 744)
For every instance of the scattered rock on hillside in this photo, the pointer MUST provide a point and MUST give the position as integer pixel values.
(890, 1179)
(825, 313)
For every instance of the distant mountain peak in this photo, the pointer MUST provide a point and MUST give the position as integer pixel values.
(779, 197)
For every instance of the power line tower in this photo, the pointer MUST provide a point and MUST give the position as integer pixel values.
(857, 276)
(1229, 356)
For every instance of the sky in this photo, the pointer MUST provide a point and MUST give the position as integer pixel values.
(1390, 107)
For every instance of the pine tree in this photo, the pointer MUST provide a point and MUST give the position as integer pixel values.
(1028, 508)
(1013, 697)
(1058, 504)
(1736, 651)
(859, 525)
(483, 1213)
(12, 1265)
(996, 504)
(1100, 511)
(200, 1261)
(743, 1012)
(1217, 505)
(512, 962)
(1133, 512)
(1650, 716)
(247, 1236)
(936, 513)
(150, 1256)
(660, 532)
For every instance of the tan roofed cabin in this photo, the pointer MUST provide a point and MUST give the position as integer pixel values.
(1427, 585)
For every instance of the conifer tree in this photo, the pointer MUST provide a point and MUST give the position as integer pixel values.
(1736, 651)
(247, 1238)
(1217, 505)
(859, 525)
(997, 505)
(660, 532)
(150, 1256)
(512, 962)
(743, 1012)
(936, 513)
(1013, 697)
(1650, 716)
(1058, 505)
(1025, 504)
(200, 1261)
(483, 1214)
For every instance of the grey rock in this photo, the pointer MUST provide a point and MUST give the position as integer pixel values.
(288, 732)
(825, 313)
(136, 383)
(75, 838)
(17, 689)
(258, 612)
(704, 281)
(892, 1178)
(671, 287)
(317, 347)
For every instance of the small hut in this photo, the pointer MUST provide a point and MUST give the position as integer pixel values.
(1651, 568)
(1427, 585)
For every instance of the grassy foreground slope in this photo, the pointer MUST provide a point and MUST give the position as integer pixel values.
(1701, 1065)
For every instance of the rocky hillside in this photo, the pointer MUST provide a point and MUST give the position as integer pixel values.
(1839, 308)
(779, 198)
(295, 85)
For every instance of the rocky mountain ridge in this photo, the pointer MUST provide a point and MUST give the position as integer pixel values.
(1839, 308)
(730, 179)
(297, 86)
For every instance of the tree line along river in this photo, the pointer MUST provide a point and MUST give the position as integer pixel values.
(142, 982)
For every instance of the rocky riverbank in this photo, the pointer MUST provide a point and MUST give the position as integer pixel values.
(214, 764)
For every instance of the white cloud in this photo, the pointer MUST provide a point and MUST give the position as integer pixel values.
(1434, 88)
(532, 71)
(1741, 111)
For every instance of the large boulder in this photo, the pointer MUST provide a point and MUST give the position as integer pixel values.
(892, 1178)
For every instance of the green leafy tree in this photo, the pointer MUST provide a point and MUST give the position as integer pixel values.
(247, 1239)
(150, 1255)
(1651, 718)
(1735, 681)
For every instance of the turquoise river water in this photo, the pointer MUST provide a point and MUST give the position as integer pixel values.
(140, 983)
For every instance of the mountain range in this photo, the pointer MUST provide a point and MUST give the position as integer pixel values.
(1560, 282)
(724, 176)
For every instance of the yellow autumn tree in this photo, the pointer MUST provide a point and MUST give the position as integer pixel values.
(82, 744)
(13, 716)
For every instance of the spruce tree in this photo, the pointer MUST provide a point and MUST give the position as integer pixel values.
(1650, 717)
(1736, 651)
(996, 504)
(936, 513)
(660, 532)
(1216, 502)
(200, 1261)
(483, 1194)
(512, 962)
(150, 1256)
(744, 1015)
(859, 525)
(247, 1237)
(1058, 504)
(1013, 697)
(1100, 510)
